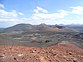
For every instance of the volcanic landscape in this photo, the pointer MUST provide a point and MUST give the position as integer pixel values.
(41, 43)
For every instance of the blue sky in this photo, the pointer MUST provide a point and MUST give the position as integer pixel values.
(40, 11)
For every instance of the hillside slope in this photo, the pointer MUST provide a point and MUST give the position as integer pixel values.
(56, 53)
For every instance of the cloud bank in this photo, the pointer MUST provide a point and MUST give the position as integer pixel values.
(41, 15)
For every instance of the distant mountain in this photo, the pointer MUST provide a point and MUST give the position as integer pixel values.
(19, 28)
(78, 27)
(29, 27)
(1, 29)
(44, 27)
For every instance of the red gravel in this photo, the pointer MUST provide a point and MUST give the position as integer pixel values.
(56, 53)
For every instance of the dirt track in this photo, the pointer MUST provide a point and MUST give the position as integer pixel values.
(56, 53)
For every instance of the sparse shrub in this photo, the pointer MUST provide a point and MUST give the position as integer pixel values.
(46, 41)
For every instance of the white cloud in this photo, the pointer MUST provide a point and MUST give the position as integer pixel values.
(41, 15)
(21, 13)
(40, 10)
(77, 10)
(75, 21)
(11, 16)
(2, 6)
(46, 16)
(58, 17)
(8, 15)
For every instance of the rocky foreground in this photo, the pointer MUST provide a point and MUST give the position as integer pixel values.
(55, 53)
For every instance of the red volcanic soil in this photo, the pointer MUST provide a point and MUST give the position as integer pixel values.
(56, 53)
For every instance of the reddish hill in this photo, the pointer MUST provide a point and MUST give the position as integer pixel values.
(56, 53)
(44, 27)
